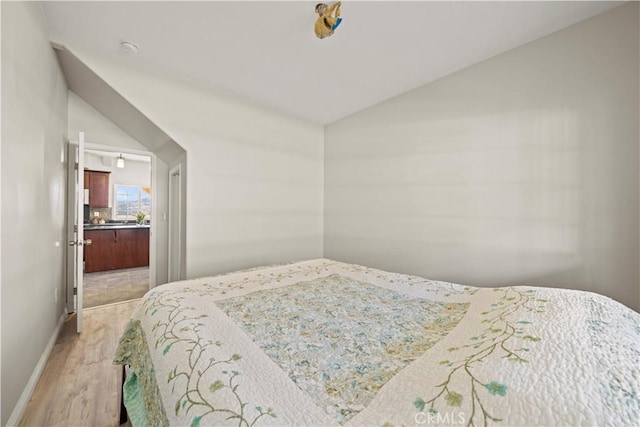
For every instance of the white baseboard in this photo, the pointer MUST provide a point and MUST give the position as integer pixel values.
(18, 411)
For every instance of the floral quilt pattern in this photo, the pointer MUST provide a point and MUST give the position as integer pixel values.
(341, 340)
(322, 342)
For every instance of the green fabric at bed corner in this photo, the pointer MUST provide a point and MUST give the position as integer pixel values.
(133, 401)
(140, 390)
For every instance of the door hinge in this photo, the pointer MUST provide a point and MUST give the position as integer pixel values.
(75, 291)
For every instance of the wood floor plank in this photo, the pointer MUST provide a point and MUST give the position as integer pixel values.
(80, 386)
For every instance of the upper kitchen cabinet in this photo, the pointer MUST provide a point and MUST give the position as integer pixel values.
(98, 184)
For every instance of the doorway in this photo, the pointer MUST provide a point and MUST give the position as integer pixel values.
(118, 217)
(164, 151)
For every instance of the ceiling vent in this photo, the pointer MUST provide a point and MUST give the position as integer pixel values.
(128, 48)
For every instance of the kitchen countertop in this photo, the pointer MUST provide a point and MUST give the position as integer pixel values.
(114, 226)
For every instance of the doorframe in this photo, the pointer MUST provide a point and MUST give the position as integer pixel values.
(154, 200)
(174, 252)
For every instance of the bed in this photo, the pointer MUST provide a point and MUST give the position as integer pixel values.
(326, 343)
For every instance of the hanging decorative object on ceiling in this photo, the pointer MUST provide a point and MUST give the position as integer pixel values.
(328, 20)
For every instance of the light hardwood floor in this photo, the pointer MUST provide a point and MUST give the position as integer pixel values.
(80, 386)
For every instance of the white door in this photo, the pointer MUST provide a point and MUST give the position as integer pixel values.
(75, 264)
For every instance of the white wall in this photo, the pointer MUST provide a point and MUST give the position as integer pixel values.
(522, 169)
(97, 128)
(255, 176)
(34, 119)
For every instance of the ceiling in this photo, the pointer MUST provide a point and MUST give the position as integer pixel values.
(114, 155)
(267, 51)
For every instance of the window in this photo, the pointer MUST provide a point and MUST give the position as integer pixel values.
(129, 200)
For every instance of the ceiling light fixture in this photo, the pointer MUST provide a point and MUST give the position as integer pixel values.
(128, 48)
(120, 161)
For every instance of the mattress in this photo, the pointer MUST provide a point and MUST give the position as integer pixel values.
(326, 343)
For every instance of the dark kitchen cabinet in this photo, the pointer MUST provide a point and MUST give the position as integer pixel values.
(111, 249)
(98, 184)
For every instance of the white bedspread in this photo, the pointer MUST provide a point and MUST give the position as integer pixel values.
(326, 343)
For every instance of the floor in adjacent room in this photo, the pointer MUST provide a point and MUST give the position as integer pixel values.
(80, 385)
(108, 287)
